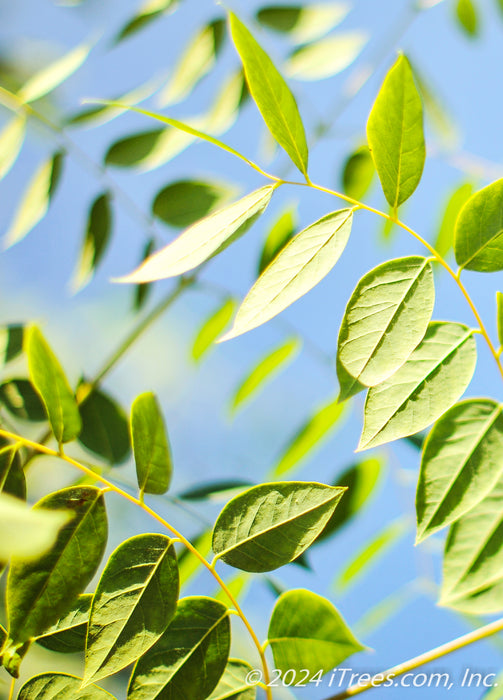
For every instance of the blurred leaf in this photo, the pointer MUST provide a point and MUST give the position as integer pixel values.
(466, 14)
(135, 601)
(386, 608)
(147, 150)
(184, 202)
(326, 57)
(237, 585)
(196, 61)
(264, 371)
(269, 525)
(310, 436)
(358, 173)
(54, 74)
(233, 685)
(147, 13)
(36, 199)
(188, 564)
(214, 325)
(225, 109)
(214, 490)
(105, 429)
(11, 342)
(203, 239)
(441, 120)
(142, 291)
(20, 398)
(49, 380)
(53, 686)
(101, 114)
(303, 23)
(271, 95)
(11, 142)
(12, 478)
(68, 635)
(152, 453)
(297, 268)
(445, 236)
(499, 316)
(96, 240)
(279, 234)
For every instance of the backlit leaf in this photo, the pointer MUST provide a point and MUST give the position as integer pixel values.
(105, 428)
(151, 448)
(297, 268)
(68, 634)
(96, 239)
(135, 601)
(279, 234)
(271, 95)
(147, 13)
(466, 13)
(430, 382)
(228, 101)
(212, 328)
(184, 202)
(11, 142)
(348, 385)
(445, 236)
(303, 23)
(269, 525)
(11, 342)
(358, 173)
(233, 685)
(326, 57)
(56, 686)
(54, 74)
(395, 134)
(21, 400)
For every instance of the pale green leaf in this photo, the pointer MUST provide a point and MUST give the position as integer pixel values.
(101, 114)
(297, 268)
(49, 380)
(96, 239)
(11, 142)
(184, 202)
(385, 609)
(233, 684)
(306, 631)
(279, 234)
(358, 173)
(105, 429)
(195, 62)
(269, 525)
(151, 449)
(348, 385)
(303, 23)
(499, 316)
(430, 382)
(478, 236)
(54, 74)
(21, 400)
(271, 95)
(326, 57)
(147, 13)
(68, 634)
(203, 239)
(386, 318)
(395, 134)
(264, 371)
(135, 601)
(237, 585)
(310, 436)
(56, 686)
(214, 325)
(228, 101)
(466, 14)
(11, 342)
(445, 236)
(188, 564)
(460, 464)
(36, 199)
(190, 657)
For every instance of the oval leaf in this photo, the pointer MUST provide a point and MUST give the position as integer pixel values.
(271, 95)
(429, 383)
(466, 13)
(184, 202)
(461, 463)
(54, 74)
(96, 240)
(53, 686)
(151, 448)
(395, 134)
(105, 429)
(307, 632)
(233, 685)
(325, 58)
(269, 525)
(386, 318)
(358, 173)
(212, 328)
(68, 635)
(302, 263)
(21, 400)
(135, 601)
(303, 23)
(11, 142)
(189, 658)
(11, 342)
(204, 239)
(147, 150)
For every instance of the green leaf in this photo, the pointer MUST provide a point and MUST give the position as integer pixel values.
(105, 429)
(445, 236)
(228, 101)
(152, 453)
(147, 13)
(478, 236)
(373, 550)
(303, 23)
(142, 291)
(233, 684)
(499, 316)
(54, 74)
(279, 234)
(358, 173)
(49, 380)
(212, 328)
(36, 199)
(348, 385)
(68, 635)
(11, 342)
(307, 632)
(325, 58)
(135, 601)
(203, 239)
(39, 592)
(430, 382)
(264, 371)
(302, 263)
(385, 319)
(385, 609)
(238, 586)
(21, 400)
(436, 114)
(96, 239)
(269, 525)
(12, 478)
(215, 490)
(101, 114)
(190, 657)
(195, 62)
(271, 95)
(310, 436)
(460, 464)
(188, 564)
(147, 150)
(56, 686)
(11, 142)
(466, 14)
(184, 202)
(395, 134)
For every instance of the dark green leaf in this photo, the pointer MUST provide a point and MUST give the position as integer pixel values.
(358, 173)
(20, 398)
(147, 150)
(105, 429)
(184, 202)
(147, 13)
(233, 685)
(279, 234)
(466, 13)
(12, 478)
(445, 236)
(326, 57)
(96, 240)
(59, 686)
(152, 453)
(212, 328)
(11, 342)
(214, 490)
(68, 635)
(303, 23)
(142, 291)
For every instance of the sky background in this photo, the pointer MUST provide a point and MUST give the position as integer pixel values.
(207, 444)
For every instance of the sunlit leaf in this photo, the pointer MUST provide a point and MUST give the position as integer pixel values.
(303, 23)
(358, 173)
(326, 57)
(11, 342)
(430, 382)
(445, 236)
(297, 268)
(279, 234)
(225, 109)
(466, 14)
(68, 635)
(269, 525)
(147, 13)
(203, 239)
(184, 202)
(56, 686)
(54, 74)
(214, 325)
(96, 239)
(104, 427)
(11, 142)
(348, 385)
(271, 95)
(151, 449)
(21, 400)
(233, 685)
